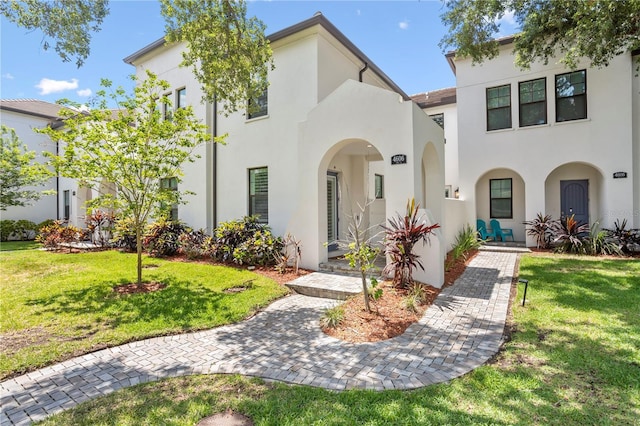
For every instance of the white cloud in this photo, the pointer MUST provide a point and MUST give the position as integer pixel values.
(48, 86)
(8, 76)
(508, 18)
(403, 24)
(84, 92)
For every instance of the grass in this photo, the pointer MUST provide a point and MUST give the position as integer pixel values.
(574, 359)
(54, 306)
(19, 245)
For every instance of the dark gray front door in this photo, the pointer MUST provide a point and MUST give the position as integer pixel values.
(574, 199)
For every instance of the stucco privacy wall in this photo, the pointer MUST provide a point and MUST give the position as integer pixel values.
(603, 140)
(357, 111)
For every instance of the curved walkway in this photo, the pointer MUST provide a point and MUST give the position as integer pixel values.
(458, 333)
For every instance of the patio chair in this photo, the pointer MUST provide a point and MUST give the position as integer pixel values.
(481, 226)
(501, 232)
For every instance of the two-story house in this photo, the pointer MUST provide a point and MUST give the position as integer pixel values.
(333, 132)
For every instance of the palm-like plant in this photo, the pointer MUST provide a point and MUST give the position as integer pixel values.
(569, 234)
(402, 234)
(541, 229)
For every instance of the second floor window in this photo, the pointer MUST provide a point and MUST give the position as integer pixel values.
(571, 96)
(533, 102)
(258, 107)
(499, 107)
(167, 110)
(170, 184)
(379, 184)
(181, 98)
(438, 118)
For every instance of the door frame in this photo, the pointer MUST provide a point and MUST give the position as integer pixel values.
(332, 177)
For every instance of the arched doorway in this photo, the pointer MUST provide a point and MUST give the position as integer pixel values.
(500, 194)
(574, 189)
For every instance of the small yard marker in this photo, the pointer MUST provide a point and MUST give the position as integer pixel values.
(526, 285)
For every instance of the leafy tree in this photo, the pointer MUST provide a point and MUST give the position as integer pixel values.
(228, 51)
(598, 29)
(69, 22)
(133, 148)
(18, 171)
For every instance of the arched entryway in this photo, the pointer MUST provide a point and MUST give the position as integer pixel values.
(574, 189)
(354, 192)
(500, 195)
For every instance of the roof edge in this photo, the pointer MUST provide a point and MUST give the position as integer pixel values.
(316, 19)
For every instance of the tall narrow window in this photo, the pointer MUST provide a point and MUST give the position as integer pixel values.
(571, 96)
(181, 98)
(501, 198)
(499, 107)
(379, 183)
(259, 194)
(533, 102)
(258, 107)
(170, 184)
(66, 202)
(438, 118)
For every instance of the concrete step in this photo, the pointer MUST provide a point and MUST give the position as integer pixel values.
(505, 247)
(326, 285)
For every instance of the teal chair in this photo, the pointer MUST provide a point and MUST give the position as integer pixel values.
(501, 232)
(481, 226)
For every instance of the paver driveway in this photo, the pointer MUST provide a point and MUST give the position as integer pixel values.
(459, 332)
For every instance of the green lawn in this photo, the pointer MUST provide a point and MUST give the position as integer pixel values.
(19, 245)
(54, 306)
(574, 359)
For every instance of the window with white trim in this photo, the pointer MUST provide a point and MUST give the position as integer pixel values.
(532, 95)
(501, 204)
(170, 184)
(259, 193)
(499, 107)
(571, 96)
(258, 107)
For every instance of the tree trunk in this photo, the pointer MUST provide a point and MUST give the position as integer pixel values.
(365, 291)
(139, 252)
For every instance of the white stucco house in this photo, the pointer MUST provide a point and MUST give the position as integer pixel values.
(546, 140)
(334, 132)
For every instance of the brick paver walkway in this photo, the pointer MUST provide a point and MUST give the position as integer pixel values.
(458, 333)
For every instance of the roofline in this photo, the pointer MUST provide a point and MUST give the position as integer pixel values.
(22, 111)
(317, 19)
(451, 55)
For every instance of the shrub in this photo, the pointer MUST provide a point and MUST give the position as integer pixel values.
(100, 225)
(466, 242)
(625, 238)
(192, 243)
(124, 235)
(245, 241)
(569, 235)
(541, 228)
(6, 229)
(24, 230)
(402, 234)
(161, 238)
(52, 236)
(332, 317)
(597, 242)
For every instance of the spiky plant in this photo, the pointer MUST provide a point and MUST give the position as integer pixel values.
(541, 229)
(569, 235)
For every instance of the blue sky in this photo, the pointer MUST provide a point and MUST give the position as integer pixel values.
(401, 37)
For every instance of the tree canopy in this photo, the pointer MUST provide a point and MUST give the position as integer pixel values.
(571, 29)
(228, 51)
(133, 148)
(19, 173)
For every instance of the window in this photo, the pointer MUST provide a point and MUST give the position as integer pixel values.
(258, 107)
(259, 194)
(501, 199)
(66, 204)
(379, 184)
(170, 184)
(167, 111)
(499, 107)
(533, 102)
(181, 98)
(571, 96)
(438, 118)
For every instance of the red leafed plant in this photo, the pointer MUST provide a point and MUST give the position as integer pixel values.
(401, 235)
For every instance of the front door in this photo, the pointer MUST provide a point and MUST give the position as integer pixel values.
(574, 199)
(332, 210)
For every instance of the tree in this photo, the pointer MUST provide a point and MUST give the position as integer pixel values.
(228, 51)
(133, 149)
(18, 171)
(69, 22)
(598, 29)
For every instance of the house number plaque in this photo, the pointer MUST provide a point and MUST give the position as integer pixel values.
(620, 175)
(399, 159)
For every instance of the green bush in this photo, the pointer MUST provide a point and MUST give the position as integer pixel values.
(245, 241)
(6, 229)
(466, 242)
(25, 230)
(51, 236)
(332, 317)
(161, 238)
(124, 235)
(192, 243)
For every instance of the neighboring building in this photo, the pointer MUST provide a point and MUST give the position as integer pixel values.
(25, 115)
(333, 132)
(546, 140)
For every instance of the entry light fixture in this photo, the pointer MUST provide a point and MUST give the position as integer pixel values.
(457, 193)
